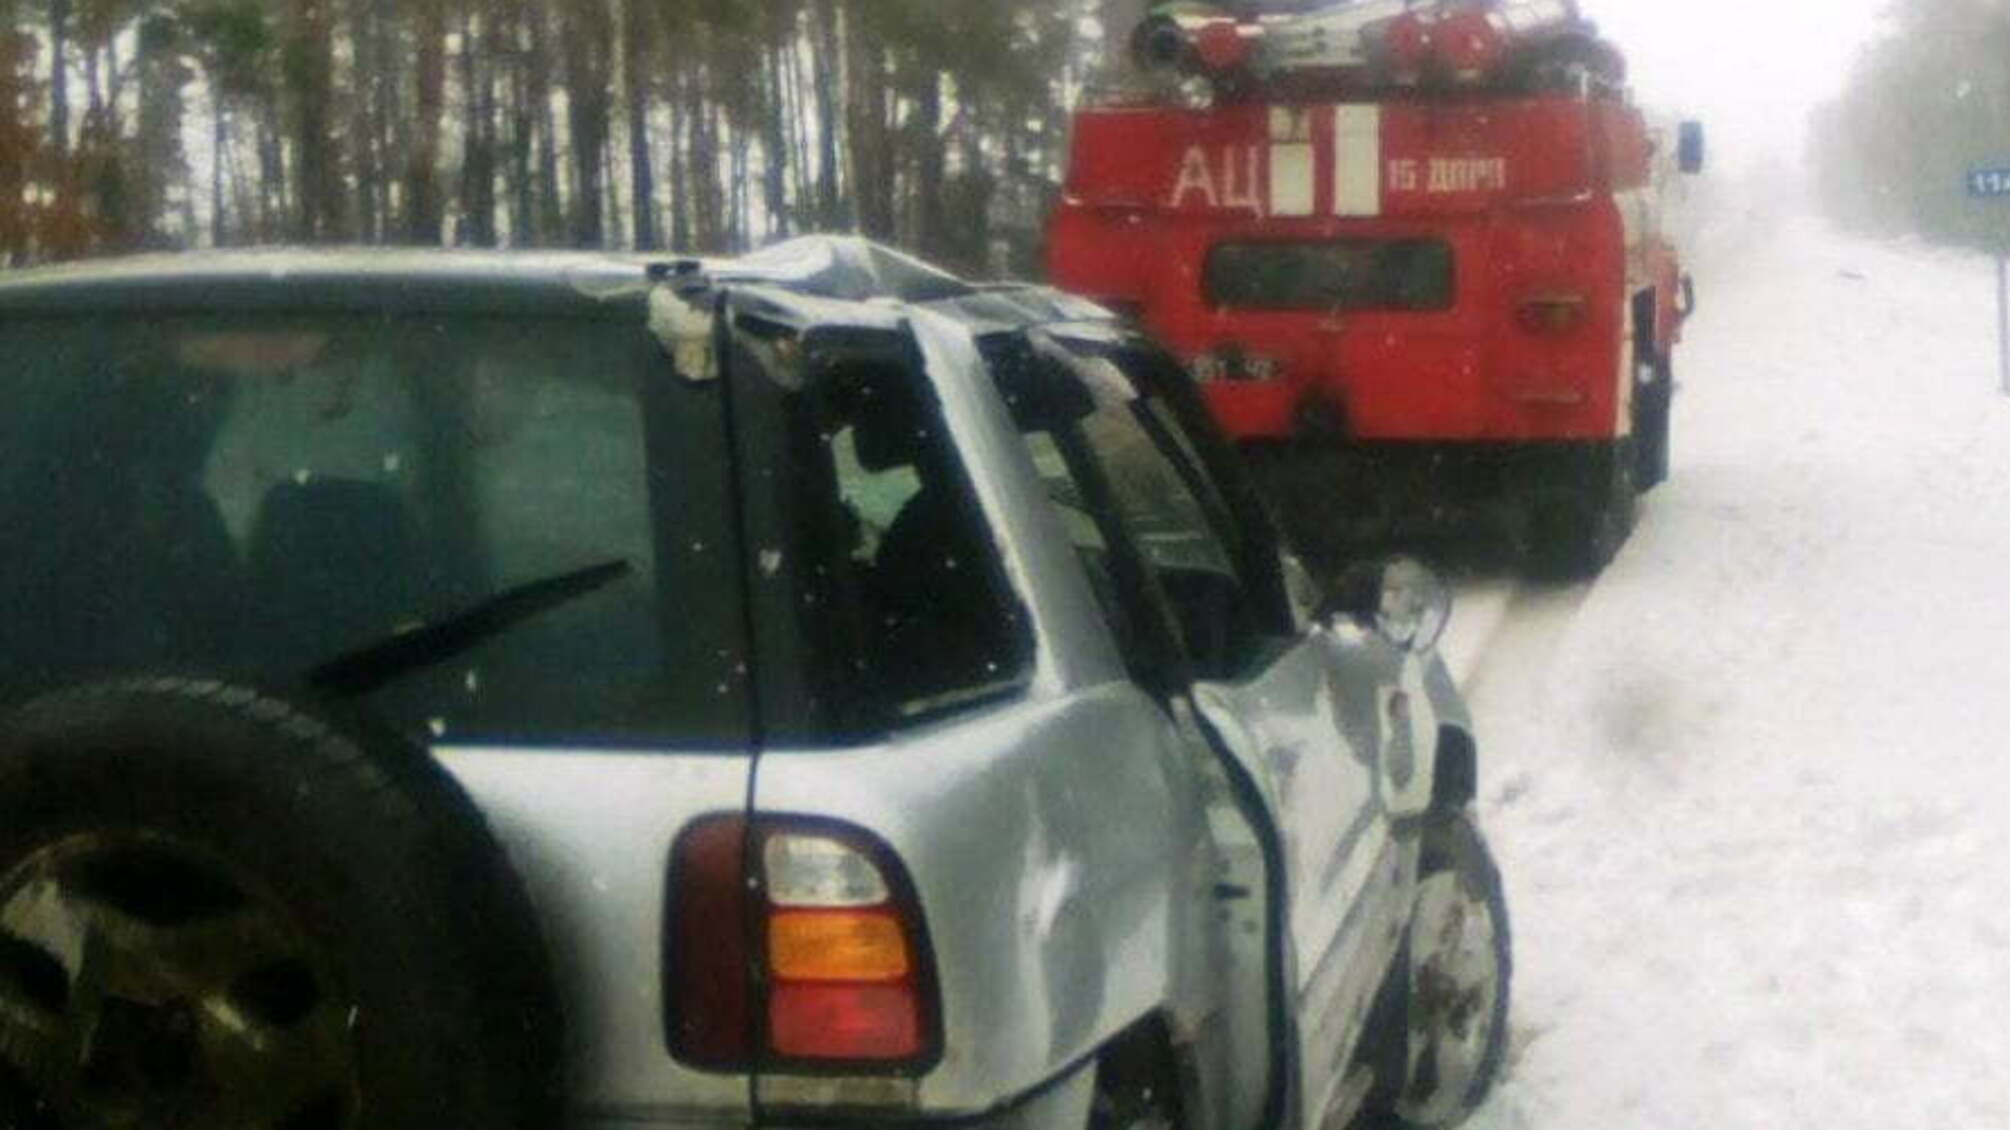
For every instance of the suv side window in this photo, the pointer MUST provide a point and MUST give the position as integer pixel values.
(1114, 462)
(1180, 545)
(881, 596)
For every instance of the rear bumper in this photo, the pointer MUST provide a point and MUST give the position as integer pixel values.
(1462, 405)
(1434, 474)
(1060, 1104)
(1334, 496)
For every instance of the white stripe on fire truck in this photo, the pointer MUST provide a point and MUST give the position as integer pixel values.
(1291, 179)
(1291, 161)
(1357, 160)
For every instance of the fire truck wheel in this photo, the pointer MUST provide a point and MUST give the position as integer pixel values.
(247, 912)
(1574, 535)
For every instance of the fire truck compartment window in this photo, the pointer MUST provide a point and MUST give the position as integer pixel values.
(1349, 274)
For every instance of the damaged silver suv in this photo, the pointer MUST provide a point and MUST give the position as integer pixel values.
(460, 690)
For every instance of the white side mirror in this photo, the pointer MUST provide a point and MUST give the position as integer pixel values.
(1413, 606)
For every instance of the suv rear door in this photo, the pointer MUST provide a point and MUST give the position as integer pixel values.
(268, 482)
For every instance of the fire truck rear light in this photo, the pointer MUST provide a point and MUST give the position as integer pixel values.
(1552, 313)
(812, 871)
(1468, 44)
(845, 1022)
(1221, 46)
(837, 945)
(1406, 44)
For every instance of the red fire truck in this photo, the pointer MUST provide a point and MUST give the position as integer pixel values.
(1412, 250)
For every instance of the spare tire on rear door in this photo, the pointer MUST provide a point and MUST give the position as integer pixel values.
(219, 908)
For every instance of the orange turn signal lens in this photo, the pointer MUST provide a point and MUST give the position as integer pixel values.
(837, 945)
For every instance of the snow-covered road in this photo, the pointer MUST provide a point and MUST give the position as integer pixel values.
(1751, 790)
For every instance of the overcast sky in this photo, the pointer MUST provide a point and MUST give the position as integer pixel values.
(1750, 69)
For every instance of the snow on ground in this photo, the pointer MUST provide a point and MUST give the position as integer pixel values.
(1750, 791)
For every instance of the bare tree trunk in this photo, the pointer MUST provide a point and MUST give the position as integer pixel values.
(424, 219)
(522, 131)
(587, 55)
(739, 227)
(17, 144)
(795, 130)
(708, 206)
(272, 178)
(162, 78)
(925, 143)
(307, 68)
(389, 131)
(94, 94)
(637, 61)
(827, 59)
(774, 145)
(478, 163)
(219, 141)
(872, 171)
(680, 171)
(364, 151)
(550, 217)
(59, 78)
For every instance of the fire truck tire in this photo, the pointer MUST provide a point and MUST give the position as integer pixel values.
(1573, 535)
(264, 913)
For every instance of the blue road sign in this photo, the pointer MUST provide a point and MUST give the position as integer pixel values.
(1989, 181)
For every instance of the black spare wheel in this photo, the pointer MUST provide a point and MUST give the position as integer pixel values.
(222, 909)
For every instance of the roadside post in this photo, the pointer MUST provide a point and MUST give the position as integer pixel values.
(1993, 183)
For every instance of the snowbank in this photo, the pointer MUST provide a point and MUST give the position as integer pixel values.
(1751, 790)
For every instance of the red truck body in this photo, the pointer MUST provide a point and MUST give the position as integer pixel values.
(1467, 273)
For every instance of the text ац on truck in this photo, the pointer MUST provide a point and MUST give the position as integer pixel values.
(1414, 253)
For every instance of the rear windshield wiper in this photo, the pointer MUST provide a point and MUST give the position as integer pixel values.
(376, 665)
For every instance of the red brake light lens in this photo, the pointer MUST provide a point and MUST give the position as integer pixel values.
(844, 1022)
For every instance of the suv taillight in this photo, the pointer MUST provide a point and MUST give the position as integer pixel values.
(839, 976)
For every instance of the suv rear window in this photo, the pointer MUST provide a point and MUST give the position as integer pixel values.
(1343, 274)
(258, 496)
